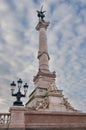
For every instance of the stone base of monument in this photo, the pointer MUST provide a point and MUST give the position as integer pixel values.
(40, 120)
(27, 119)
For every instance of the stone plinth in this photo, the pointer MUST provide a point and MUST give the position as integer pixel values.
(17, 117)
(55, 120)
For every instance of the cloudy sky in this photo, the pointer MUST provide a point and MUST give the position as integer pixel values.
(66, 44)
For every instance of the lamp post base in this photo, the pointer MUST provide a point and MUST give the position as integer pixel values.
(18, 103)
(17, 121)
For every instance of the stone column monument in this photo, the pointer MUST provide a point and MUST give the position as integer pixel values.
(46, 96)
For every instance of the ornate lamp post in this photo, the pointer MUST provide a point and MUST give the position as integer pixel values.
(18, 95)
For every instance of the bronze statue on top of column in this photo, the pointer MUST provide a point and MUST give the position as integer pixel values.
(41, 14)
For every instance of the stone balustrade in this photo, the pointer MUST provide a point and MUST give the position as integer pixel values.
(4, 118)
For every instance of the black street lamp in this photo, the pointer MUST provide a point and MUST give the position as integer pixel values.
(18, 95)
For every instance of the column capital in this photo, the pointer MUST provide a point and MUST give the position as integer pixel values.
(42, 24)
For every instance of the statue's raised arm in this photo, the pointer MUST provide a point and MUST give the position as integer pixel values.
(41, 14)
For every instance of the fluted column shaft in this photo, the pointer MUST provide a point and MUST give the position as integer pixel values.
(42, 40)
(43, 55)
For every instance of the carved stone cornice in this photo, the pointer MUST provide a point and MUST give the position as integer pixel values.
(40, 73)
(56, 93)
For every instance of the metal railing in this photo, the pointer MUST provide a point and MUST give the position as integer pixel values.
(4, 118)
